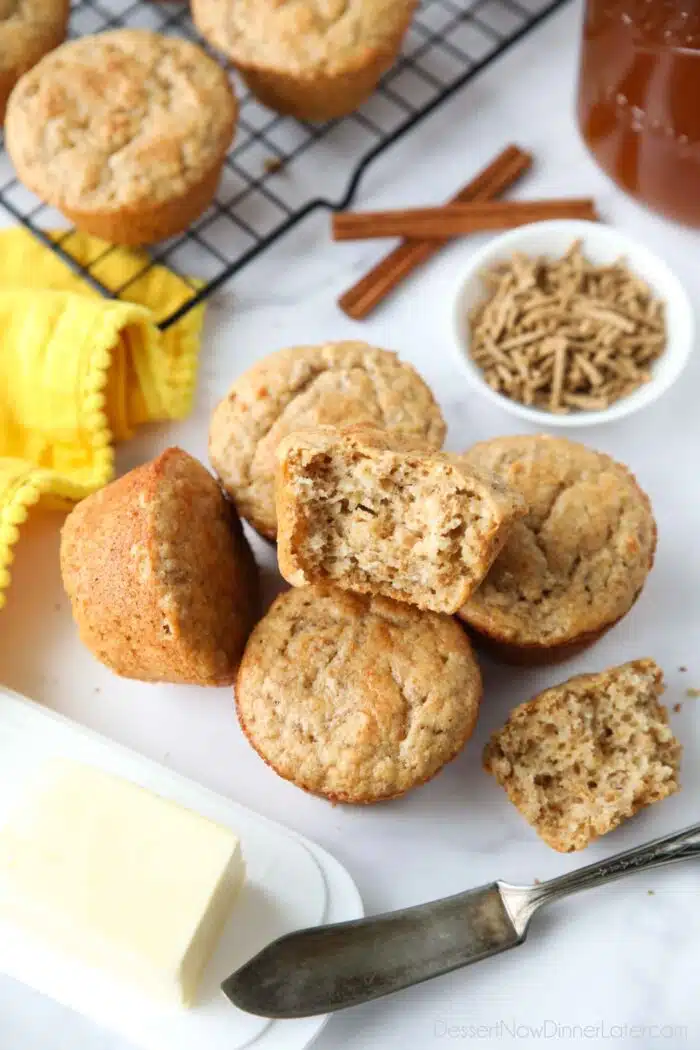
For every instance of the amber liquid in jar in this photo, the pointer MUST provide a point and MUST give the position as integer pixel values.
(639, 99)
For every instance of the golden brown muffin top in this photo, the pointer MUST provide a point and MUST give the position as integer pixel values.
(108, 121)
(577, 561)
(24, 24)
(335, 383)
(304, 37)
(356, 698)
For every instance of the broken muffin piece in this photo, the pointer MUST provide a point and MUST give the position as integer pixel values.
(580, 758)
(368, 511)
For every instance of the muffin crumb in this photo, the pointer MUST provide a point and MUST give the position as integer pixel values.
(582, 757)
(331, 384)
(369, 512)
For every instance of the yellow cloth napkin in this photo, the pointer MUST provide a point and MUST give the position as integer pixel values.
(78, 372)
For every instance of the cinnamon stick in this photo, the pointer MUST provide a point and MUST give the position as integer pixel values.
(455, 220)
(359, 300)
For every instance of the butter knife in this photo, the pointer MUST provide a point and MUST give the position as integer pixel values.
(328, 968)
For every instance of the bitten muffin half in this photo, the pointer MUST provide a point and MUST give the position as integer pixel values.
(366, 510)
(313, 59)
(353, 698)
(124, 132)
(161, 579)
(575, 564)
(582, 757)
(335, 383)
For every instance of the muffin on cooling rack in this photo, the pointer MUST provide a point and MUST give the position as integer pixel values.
(335, 383)
(575, 564)
(124, 132)
(354, 698)
(28, 31)
(161, 579)
(313, 59)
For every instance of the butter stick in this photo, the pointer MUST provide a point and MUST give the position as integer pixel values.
(119, 878)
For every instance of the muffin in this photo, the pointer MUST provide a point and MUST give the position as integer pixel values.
(575, 564)
(313, 59)
(124, 132)
(162, 582)
(582, 757)
(365, 510)
(337, 383)
(28, 31)
(356, 699)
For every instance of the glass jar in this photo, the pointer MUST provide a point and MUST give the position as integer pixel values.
(639, 99)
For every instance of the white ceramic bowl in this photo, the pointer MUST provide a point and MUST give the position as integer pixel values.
(601, 244)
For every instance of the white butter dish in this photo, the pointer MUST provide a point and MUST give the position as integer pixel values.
(290, 883)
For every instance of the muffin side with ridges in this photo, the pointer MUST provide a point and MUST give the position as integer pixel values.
(162, 582)
(314, 61)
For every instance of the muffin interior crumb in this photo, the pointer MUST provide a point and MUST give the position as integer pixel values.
(416, 528)
(582, 757)
(300, 387)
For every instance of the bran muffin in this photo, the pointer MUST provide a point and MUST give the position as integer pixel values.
(124, 132)
(313, 59)
(364, 510)
(161, 579)
(582, 757)
(575, 564)
(336, 383)
(354, 698)
(28, 30)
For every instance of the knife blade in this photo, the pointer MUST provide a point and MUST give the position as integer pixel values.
(332, 967)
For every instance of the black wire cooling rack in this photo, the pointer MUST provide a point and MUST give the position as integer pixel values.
(279, 170)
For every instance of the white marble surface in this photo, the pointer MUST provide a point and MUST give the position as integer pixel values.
(618, 957)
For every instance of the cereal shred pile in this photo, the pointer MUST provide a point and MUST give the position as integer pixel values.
(564, 334)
